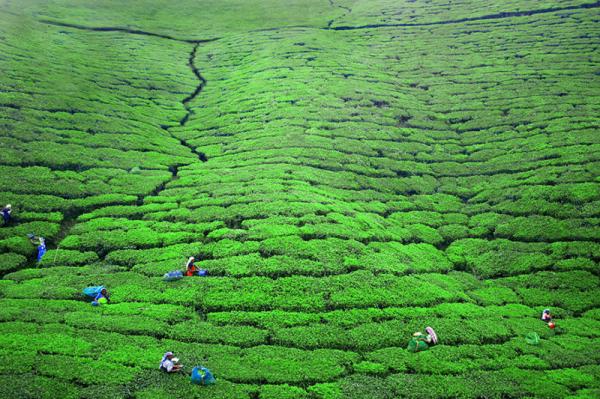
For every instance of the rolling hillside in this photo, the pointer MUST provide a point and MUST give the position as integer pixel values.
(349, 172)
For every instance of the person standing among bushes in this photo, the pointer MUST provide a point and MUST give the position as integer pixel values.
(169, 363)
(41, 249)
(41, 246)
(6, 213)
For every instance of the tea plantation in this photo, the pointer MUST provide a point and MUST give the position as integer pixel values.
(348, 171)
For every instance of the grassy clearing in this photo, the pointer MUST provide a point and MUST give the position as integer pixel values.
(345, 188)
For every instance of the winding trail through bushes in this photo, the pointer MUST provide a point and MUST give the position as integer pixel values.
(125, 30)
(70, 218)
(332, 4)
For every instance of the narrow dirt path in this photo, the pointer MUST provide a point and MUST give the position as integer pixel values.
(125, 30)
(332, 4)
(70, 218)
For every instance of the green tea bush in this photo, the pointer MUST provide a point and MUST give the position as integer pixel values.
(105, 241)
(576, 279)
(102, 391)
(40, 228)
(328, 390)
(404, 259)
(23, 366)
(472, 385)
(11, 261)
(268, 319)
(371, 368)
(36, 386)
(255, 265)
(14, 308)
(423, 233)
(572, 378)
(573, 300)
(33, 203)
(126, 211)
(494, 296)
(569, 249)
(19, 245)
(227, 247)
(66, 257)
(259, 293)
(282, 392)
(83, 370)
(364, 289)
(575, 264)
(328, 251)
(313, 337)
(496, 258)
(123, 324)
(132, 355)
(196, 331)
(55, 217)
(48, 343)
(163, 386)
(130, 257)
(541, 228)
(37, 288)
(280, 365)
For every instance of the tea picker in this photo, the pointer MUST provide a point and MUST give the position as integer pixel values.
(169, 363)
(102, 298)
(178, 274)
(6, 211)
(547, 317)
(422, 341)
(99, 293)
(191, 269)
(41, 243)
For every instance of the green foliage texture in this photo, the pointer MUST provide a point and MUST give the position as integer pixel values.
(349, 172)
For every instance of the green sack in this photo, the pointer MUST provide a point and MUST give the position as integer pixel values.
(532, 338)
(417, 345)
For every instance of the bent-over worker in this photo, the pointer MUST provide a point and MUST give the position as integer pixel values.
(169, 363)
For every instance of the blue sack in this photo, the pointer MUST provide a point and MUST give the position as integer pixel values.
(202, 376)
(202, 272)
(172, 276)
(196, 376)
(209, 379)
(92, 291)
